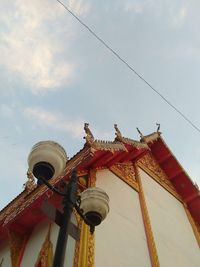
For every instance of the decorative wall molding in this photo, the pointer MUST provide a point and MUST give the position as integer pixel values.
(126, 172)
(195, 227)
(84, 250)
(147, 224)
(45, 257)
(92, 178)
(17, 246)
(151, 167)
(149, 162)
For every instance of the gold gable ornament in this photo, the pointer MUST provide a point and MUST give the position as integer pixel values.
(45, 257)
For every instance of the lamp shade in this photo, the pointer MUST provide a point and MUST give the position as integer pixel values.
(95, 205)
(47, 159)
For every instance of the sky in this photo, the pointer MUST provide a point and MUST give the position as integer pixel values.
(54, 76)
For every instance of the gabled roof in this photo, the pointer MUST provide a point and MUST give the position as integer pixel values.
(102, 154)
(187, 189)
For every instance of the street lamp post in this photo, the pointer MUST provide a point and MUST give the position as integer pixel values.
(46, 160)
(92, 216)
(69, 200)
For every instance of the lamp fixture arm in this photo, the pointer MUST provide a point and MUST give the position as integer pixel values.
(51, 187)
(71, 197)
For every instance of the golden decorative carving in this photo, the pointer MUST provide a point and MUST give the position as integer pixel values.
(108, 146)
(92, 177)
(151, 137)
(89, 136)
(150, 166)
(76, 252)
(12, 208)
(195, 227)
(147, 224)
(140, 133)
(126, 172)
(84, 250)
(128, 141)
(30, 184)
(15, 209)
(77, 245)
(91, 250)
(118, 133)
(45, 257)
(17, 247)
(149, 162)
(81, 250)
(126, 169)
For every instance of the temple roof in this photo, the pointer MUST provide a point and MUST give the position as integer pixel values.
(103, 154)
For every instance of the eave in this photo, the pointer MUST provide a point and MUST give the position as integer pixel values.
(21, 214)
(175, 173)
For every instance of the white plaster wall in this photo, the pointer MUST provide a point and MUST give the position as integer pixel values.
(175, 241)
(120, 240)
(35, 244)
(5, 255)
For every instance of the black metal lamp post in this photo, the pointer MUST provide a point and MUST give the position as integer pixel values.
(46, 160)
(71, 200)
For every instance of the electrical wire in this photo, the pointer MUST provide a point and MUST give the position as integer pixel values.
(129, 66)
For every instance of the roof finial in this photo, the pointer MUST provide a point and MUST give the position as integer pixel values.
(30, 183)
(117, 133)
(158, 129)
(140, 133)
(89, 136)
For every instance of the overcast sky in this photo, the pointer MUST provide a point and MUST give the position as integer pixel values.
(54, 76)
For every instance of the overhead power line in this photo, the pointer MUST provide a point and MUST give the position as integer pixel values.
(130, 67)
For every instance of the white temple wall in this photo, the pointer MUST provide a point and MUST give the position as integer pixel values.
(5, 257)
(174, 237)
(36, 241)
(120, 240)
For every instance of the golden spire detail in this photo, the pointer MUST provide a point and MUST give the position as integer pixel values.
(30, 183)
(158, 129)
(89, 136)
(140, 133)
(118, 133)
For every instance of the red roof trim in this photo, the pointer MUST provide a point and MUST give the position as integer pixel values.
(177, 176)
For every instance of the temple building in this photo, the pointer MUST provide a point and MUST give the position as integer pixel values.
(153, 218)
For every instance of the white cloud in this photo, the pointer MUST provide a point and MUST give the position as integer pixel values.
(134, 6)
(78, 7)
(30, 41)
(179, 17)
(55, 120)
(174, 12)
(6, 111)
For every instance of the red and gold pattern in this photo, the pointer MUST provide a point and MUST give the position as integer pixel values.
(147, 224)
(126, 172)
(17, 246)
(45, 257)
(149, 165)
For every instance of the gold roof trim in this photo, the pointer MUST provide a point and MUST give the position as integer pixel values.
(151, 137)
(135, 143)
(101, 144)
(109, 145)
(89, 136)
(128, 141)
